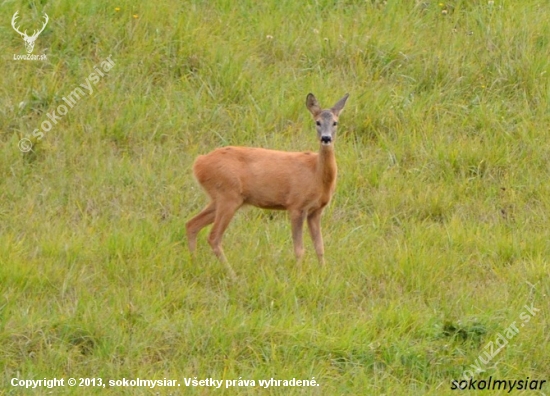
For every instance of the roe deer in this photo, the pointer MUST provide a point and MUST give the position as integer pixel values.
(300, 182)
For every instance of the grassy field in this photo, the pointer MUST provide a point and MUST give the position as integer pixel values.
(437, 240)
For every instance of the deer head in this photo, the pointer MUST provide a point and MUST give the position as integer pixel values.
(29, 40)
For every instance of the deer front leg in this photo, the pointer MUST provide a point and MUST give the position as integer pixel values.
(297, 218)
(314, 224)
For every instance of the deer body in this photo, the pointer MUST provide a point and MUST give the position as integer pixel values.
(301, 182)
(298, 183)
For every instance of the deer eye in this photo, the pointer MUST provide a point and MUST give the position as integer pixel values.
(318, 123)
(335, 123)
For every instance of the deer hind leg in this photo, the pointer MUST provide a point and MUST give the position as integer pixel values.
(314, 224)
(197, 223)
(224, 213)
(297, 218)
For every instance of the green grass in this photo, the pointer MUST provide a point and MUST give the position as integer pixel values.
(439, 224)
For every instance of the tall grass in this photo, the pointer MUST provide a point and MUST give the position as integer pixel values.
(437, 231)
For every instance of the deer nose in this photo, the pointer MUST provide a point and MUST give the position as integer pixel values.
(326, 139)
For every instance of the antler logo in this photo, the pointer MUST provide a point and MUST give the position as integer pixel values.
(29, 40)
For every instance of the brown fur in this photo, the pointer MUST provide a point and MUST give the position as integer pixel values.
(300, 182)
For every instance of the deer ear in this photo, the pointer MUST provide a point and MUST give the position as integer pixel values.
(312, 105)
(339, 106)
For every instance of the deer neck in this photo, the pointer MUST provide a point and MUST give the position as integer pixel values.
(326, 166)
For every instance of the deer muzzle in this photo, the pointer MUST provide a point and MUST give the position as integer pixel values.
(326, 139)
